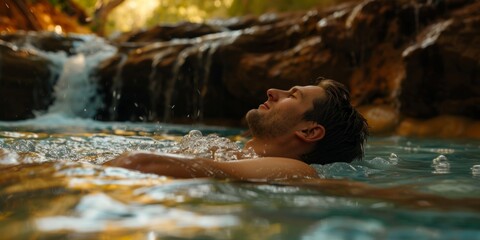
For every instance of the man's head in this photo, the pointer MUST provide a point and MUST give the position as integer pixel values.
(345, 129)
(319, 116)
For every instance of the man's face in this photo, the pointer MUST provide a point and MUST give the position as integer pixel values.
(283, 111)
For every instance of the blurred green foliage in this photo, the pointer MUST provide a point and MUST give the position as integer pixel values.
(136, 13)
(87, 5)
(243, 7)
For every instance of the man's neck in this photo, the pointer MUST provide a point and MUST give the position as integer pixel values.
(275, 148)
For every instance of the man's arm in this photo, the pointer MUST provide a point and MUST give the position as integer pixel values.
(259, 169)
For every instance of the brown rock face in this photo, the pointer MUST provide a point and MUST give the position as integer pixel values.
(25, 83)
(443, 68)
(414, 56)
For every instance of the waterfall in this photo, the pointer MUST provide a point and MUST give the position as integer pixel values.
(156, 85)
(202, 48)
(117, 87)
(75, 92)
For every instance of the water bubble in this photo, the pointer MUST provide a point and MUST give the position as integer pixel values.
(440, 160)
(212, 146)
(475, 170)
(441, 165)
(195, 134)
(393, 159)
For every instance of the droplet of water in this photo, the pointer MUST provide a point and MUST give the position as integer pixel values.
(440, 160)
(195, 134)
(212, 146)
(441, 165)
(475, 170)
(393, 158)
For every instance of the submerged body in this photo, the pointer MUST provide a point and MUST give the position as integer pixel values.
(180, 166)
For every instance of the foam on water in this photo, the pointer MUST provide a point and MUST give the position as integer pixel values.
(212, 146)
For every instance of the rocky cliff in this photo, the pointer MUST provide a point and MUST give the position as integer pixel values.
(410, 65)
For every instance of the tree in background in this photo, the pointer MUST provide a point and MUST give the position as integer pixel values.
(126, 15)
(243, 7)
(42, 15)
(108, 16)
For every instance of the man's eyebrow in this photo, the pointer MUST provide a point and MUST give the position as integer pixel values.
(296, 89)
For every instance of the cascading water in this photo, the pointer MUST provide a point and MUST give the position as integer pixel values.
(75, 91)
(117, 87)
(203, 50)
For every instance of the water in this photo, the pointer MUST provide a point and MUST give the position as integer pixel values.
(53, 186)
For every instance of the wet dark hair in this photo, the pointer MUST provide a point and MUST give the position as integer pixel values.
(345, 129)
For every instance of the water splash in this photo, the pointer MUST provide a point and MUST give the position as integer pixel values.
(9, 157)
(93, 149)
(475, 170)
(441, 165)
(213, 147)
(393, 159)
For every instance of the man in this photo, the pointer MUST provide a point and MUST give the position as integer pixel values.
(314, 124)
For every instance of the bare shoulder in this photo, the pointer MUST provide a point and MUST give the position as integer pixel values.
(268, 168)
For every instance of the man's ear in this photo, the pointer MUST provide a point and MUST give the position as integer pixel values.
(311, 133)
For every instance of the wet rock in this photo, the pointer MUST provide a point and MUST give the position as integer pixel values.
(26, 83)
(169, 32)
(445, 126)
(45, 41)
(382, 119)
(442, 68)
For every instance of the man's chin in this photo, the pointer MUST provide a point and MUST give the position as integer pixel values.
(255, 114)
(253, 118)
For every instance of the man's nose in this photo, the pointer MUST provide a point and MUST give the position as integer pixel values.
(274, 94)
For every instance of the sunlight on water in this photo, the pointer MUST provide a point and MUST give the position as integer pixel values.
(99, 212)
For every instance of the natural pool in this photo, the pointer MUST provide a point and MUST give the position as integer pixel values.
(52, 187)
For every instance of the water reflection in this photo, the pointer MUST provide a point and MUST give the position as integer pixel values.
(98, 212)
